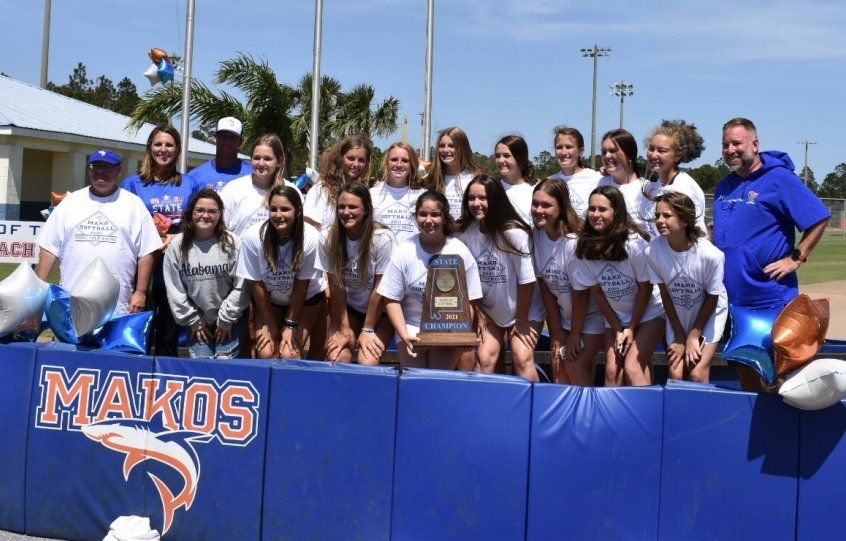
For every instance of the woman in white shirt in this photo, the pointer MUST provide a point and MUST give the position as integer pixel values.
(348, 160)
(689, 273)
(499, 241)
(394, 197)
(404, 281)
(612, 263)
(244, 198)
(619, 158)
(453, 168)
(354, 252)
(511, 158)
(672, 143)
(278, 256)
(556, 231)
(569, 147)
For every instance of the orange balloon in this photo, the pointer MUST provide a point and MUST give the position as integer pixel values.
(799, 332)
(426, 165)
(156, 54)
(56, 198)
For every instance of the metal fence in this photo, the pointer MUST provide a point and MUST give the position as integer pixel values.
(836, 229)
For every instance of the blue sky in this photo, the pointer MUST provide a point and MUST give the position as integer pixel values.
(500, 66)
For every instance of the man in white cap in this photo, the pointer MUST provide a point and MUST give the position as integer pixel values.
(107, 221)
(226, 165)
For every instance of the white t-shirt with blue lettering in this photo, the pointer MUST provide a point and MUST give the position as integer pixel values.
(689, 276)
(579, 185)
(280, 284)
(619, 279)
(243, 204)
(382, 245)
(554, 264)
(404, 279)
(394, 208)
(500, 272)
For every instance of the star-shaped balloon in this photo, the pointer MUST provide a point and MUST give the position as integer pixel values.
(751, 343)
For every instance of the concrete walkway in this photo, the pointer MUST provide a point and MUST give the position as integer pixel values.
(835, 292)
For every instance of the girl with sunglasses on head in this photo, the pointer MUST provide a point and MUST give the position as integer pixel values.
(689, 272)
(404, 281)
(354, 252)
(278, 257)
(453, 168)
(346, 161)
(612, 263)
(499, 241)
(199, 271)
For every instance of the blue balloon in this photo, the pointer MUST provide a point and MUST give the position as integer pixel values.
(165, 71)
(127, 334)
(751, 343)
(302, 181)
(58, 312)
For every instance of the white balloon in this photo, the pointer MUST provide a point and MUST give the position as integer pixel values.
(93, 297)
(152, 74)
(818, 385)
(22, 297)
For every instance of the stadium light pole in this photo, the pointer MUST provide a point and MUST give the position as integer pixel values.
(315, 84)
(594, 52)
(621, 89)
(45, 43)
(186, 86)
(806, 142)
(427, 105)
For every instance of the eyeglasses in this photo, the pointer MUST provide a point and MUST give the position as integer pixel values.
(210, 212)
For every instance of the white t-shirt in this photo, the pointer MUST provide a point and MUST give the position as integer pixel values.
(454, 188)
(500, 271)
(118, 228)
(280, 284)
(358, 295)
(684, 183)
(394, 208)
(619, 279)
(553, 264)
(243, 204)
(520, 196)
(580, 185)
(689, 276)
(405, 276)
(317, 206)
(640, 208)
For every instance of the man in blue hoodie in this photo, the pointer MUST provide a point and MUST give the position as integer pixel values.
(757, 209)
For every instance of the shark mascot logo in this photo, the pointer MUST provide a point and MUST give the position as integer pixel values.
(158, 418)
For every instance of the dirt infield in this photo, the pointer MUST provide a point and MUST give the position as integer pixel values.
(835, 292)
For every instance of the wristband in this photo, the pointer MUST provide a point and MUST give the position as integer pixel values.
(290, 323)
(368, 329)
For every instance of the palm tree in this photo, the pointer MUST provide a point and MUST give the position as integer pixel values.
(274, 107)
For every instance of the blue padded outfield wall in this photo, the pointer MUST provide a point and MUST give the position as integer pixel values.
(249, 450)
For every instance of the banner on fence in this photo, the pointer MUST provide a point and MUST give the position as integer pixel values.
(18, 241)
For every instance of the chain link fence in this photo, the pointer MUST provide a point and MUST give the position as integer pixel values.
(836, 229)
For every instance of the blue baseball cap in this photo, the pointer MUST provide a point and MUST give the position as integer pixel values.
(105, 156)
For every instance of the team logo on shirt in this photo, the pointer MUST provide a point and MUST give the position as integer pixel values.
(685, 290)
(397, 217)
(491, 271)
(95, 229)
(351, 276)
(282, 280)
(615, 284)
(556, 278)
(577, 202)
(416, 287)
(752, 198)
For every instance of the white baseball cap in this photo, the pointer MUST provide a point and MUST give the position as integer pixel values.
(230, 124)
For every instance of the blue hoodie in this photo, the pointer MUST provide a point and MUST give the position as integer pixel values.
(754, 224)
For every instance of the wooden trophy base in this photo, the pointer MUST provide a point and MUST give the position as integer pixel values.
(446, 339)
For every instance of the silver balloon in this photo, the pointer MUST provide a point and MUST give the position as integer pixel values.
(22, 296)
(93, 297)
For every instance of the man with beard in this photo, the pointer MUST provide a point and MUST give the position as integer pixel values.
(757, 209)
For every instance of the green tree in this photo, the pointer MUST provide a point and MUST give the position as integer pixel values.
(100, 91)
(272, 106)
(834, 183)
(545, 165)
(708, 176)
(486, 163)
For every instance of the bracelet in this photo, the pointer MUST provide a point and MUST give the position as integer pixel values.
(290, 323)
(368, 329)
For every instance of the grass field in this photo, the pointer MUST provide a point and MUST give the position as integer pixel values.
(826, 264)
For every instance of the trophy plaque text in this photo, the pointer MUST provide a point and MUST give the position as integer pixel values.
(447, 316)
